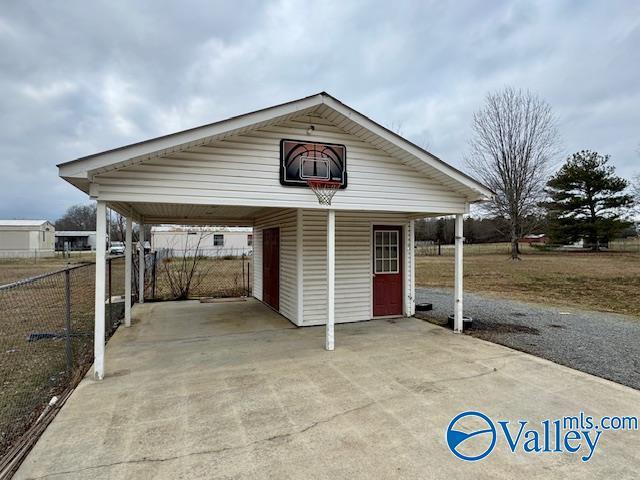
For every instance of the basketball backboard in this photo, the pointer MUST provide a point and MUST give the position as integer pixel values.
(302, 161)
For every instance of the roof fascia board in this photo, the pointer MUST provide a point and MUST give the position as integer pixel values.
(231, 222)
(404, 144)
(87, 166)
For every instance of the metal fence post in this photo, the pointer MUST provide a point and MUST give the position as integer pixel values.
(248, 278)
(246, 295)
(67, 320)
(110, 309)
(153, 275)
(134, 276)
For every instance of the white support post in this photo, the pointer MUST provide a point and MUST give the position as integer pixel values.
(331, 278)
(98, 332)
(299, 263)
(128, 260)
(457, 312)
(412, 266)
(141, 264)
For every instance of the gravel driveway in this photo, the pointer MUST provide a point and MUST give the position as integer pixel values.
(602, 344)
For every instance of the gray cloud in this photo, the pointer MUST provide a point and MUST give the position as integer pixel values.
(80, 77)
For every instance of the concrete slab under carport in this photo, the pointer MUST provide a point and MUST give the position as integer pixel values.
(233, 390)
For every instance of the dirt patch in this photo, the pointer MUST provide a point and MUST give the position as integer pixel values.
(478, 326)
(222, 300)
(502, 327)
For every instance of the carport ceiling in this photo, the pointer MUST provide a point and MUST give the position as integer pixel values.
(186, 214)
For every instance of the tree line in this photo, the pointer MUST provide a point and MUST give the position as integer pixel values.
(83, 218)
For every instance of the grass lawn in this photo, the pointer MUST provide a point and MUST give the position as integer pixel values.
(598, 281)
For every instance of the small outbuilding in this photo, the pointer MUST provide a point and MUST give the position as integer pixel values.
(535, 238)
(178, 240)
(317, 260)
(26, 238)
(75, 241)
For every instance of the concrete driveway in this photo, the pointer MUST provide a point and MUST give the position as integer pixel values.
(235, 391)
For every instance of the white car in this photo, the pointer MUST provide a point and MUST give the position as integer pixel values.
(117, 248)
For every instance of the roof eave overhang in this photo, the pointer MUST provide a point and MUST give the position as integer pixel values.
(476, 191)
(86, 167)
(80, 172)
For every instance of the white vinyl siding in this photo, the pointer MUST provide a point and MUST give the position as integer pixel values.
(353, 264)
(285, 220)
(244, 170)
(314, 264)
(354, 286)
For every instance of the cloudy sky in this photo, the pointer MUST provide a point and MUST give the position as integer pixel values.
(78, 77)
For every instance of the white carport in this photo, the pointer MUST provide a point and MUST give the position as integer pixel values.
(227, 173)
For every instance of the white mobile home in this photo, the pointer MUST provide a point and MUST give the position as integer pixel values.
(205, 241)
(26, 238)
(344, 260)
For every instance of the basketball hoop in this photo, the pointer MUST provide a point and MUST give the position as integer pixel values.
(324, 190)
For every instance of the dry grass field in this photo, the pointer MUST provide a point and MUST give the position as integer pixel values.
(214, 277)
(12, 270)
(599, 281)
(33, 369)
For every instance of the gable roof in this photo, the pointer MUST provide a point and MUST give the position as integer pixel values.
(80, 172)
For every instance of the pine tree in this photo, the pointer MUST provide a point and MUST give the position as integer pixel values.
(587, 200)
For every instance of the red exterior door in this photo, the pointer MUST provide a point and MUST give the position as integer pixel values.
(271, 267)
(387, 270)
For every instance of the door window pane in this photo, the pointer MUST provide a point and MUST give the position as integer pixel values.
(386, 251)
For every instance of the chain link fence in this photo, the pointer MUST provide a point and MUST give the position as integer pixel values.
(46, 339)
(198, 273)
(47, 323)
(430, 249)
(631, 245)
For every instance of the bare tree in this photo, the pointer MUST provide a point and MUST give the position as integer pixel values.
(635, 189)
(635, 192)
(185, 272)
(514, 137)
(78, 217)
(117, 227)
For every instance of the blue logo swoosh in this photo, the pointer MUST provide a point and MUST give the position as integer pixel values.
(455, 437)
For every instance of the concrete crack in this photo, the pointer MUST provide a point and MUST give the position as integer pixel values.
(283, 436)
(319, 422)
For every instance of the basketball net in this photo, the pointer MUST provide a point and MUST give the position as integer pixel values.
(324, 190)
